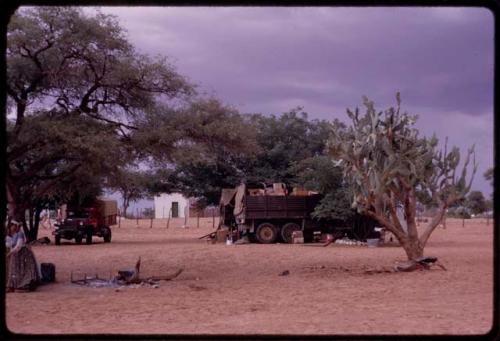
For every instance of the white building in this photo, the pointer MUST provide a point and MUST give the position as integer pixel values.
(174, 204)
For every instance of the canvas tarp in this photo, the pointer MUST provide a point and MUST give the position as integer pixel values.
(238, 201)
(227, 196)
(107, 207)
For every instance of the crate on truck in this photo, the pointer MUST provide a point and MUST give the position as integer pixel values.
(271, 214)
(86, 222)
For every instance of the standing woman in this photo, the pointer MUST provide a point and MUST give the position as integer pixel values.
(22, 271)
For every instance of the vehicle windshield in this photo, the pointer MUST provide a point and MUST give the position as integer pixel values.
(73, 215)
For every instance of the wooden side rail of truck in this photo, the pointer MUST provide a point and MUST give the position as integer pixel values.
(269, 217)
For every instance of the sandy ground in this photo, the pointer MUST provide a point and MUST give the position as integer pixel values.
(237, 289)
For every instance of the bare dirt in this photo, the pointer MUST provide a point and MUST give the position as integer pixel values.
(237, 289)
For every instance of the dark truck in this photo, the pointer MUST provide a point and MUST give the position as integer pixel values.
(271, 215)
(88, 222)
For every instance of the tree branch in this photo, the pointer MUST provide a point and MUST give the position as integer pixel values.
(433, 224)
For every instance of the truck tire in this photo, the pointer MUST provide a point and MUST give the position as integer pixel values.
(57, 239)
(266, 233)
(287, 230)
(88, 238)
(78, 239)
(107, 234)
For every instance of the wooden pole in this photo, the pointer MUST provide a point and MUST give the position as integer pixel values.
(137, 217)
(198, 220)
(213, 218)
(185, 217)
(169, 213)
(119, 218)
(151, 223)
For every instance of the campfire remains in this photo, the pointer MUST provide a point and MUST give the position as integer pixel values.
(125, 277)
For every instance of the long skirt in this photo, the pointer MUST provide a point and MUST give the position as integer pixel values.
(22, 272)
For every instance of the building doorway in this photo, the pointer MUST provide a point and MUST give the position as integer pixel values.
(175, 209)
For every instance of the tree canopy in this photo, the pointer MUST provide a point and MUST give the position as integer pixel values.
(269, 149)
(84, 104)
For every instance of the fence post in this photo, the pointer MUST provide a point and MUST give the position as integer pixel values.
(198, 220)
(119, 218)
(152, 216)
(137, 217)
(169, 213)
(213, 218)
(186, 217)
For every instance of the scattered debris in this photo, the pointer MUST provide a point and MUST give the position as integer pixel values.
(94, 282)
(284, 273)
(329, 239)
(297, 237)
(378, 270)
(211, 235)
(197, 287)
(129, 276)
(242, 240)
(126, 278)
(422, 263)
(165, 278)
(347, 241)
(41, 241)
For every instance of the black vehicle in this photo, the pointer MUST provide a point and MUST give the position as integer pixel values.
(88, 222)
(268, 216)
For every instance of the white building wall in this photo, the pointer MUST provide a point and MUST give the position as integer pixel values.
(163, 205)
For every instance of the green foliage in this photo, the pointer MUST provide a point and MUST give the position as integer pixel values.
(488, 175)
(460, 212)
(254, 149)
(110, 109)
(383, 156)
(389, 165)
(319, 174)
(51, 155)
(476, 202)
(196, 132)
(131, 184)
(285, 140)
(81, 62)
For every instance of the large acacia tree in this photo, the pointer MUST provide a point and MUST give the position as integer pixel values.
(389, 165)
(71, 71)
(81, 100)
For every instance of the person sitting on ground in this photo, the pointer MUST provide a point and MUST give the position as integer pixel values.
(22, 268)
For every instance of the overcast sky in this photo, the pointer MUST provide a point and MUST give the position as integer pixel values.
(270, 60)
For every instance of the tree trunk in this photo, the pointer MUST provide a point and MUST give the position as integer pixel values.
(125, 204)
(413, 248)
(31, 226)
(440, 214)
(36, 223)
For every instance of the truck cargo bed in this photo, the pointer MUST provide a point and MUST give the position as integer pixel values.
(263, 207)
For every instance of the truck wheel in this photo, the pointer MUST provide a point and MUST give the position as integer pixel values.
(287, 230)
(78, 239)
(88, 239)
(266, 233)
(107, 234)
(58, 239)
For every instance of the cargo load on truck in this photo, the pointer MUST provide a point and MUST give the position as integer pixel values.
(273, 213)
